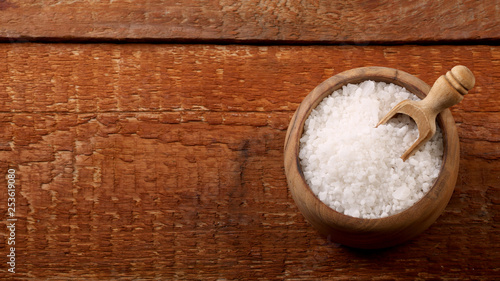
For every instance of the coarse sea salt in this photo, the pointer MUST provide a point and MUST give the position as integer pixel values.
(356, 168)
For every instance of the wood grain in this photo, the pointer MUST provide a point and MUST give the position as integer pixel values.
(357, 21)
(166, 161)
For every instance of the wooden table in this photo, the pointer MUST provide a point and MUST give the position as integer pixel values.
(146, 137)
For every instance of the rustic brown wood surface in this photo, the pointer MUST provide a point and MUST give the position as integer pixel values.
(166, 161)
(251, 20)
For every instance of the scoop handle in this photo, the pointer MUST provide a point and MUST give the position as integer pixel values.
(448, 90)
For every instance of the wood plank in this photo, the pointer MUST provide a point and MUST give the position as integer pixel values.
(165, 161)
(185, 78)
(357, 21)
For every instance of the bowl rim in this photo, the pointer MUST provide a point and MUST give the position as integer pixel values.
(402, 218)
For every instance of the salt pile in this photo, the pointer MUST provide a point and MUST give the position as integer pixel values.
(356, 168)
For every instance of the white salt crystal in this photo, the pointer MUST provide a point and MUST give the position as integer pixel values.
(355, 168)
(401, 193)
(371, 178)
(368, 88)
(322, 196)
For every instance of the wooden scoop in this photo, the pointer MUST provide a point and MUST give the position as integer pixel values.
(447, 91)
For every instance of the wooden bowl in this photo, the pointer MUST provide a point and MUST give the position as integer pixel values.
(370, 233)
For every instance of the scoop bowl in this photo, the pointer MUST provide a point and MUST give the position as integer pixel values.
(380, 232)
